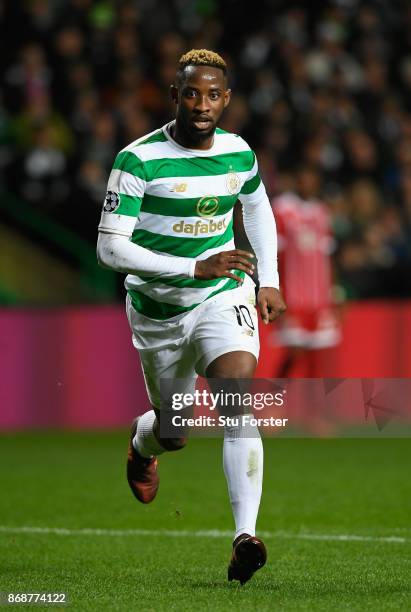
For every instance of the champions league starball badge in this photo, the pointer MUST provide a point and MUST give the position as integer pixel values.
(112, 202)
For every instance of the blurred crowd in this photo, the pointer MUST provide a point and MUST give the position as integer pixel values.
(326, 84)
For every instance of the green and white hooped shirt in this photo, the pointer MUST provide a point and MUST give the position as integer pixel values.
(178, 202)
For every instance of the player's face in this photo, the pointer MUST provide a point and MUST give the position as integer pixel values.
(200, 98)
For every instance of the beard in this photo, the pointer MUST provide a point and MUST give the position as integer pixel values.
(193, 135)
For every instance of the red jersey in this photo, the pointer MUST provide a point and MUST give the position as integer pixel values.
(304, 244)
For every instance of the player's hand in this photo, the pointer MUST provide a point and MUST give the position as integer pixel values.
(220, 265)
(271, 303)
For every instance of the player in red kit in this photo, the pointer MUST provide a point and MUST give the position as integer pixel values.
(305, 244)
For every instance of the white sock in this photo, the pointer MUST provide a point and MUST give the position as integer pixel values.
(243, 467)
(145, 442)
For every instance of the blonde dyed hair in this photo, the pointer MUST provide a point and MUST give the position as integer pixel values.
(202, 57)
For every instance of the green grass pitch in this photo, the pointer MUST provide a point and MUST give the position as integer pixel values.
(314, 491)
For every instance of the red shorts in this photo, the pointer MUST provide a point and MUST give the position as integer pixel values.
(311, 329)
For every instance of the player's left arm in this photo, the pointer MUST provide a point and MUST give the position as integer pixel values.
(259, 225)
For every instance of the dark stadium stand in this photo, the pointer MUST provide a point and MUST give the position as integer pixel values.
(328, 84)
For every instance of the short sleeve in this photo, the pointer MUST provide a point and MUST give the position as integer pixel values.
(253, 190)
(253, 180)
(125, 192)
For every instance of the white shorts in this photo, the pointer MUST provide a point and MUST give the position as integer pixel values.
(185, 345)
(308, 328)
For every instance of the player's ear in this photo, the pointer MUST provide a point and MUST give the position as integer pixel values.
(174, 93)
(227, 97)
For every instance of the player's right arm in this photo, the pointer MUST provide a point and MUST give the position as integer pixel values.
(115, 251)
(125, 192)
(221, 264)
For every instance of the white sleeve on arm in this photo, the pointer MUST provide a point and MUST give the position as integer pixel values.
(116, 252)
(126, 188)
(259, 225)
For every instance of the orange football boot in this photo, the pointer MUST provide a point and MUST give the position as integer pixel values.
(249, 555)
(142, 473)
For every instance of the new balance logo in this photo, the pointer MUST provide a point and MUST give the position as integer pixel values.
(179, 187)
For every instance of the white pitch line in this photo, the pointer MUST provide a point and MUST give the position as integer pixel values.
(213, 533)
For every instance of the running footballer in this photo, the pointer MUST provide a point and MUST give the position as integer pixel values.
(167, 223)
